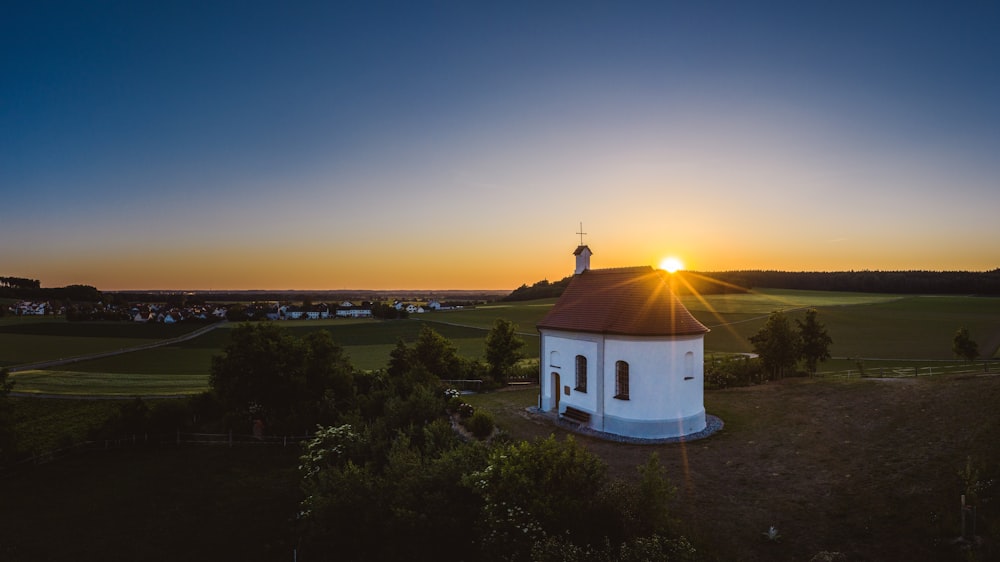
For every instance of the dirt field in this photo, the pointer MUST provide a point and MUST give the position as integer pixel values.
(868, 468)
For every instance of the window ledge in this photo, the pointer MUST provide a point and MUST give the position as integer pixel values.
(621, 397)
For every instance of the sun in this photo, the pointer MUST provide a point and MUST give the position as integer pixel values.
(671, 264)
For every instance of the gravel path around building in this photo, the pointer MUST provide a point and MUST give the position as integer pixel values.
(712, 425)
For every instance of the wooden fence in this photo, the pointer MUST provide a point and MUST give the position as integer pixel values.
(985, 367)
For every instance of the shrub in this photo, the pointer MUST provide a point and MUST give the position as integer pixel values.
(454, 404)
(480, 424)
(465, 410)
(734, 371)
(525, 371)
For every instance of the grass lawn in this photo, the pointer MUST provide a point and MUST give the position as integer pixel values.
(868, 468)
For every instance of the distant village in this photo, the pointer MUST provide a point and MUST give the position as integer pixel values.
(171, 313)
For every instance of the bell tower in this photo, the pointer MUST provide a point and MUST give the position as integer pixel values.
(582, 254)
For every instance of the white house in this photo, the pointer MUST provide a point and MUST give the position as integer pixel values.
(620, 354)
(27, 308)
(354, 312)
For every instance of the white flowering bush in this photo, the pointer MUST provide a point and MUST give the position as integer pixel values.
(329, 446)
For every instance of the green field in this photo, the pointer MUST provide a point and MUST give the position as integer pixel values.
(34, 339)
(184, 367)
(524, 314)
(763, 301)
(109, 384)
(907, 331)
(916, 327)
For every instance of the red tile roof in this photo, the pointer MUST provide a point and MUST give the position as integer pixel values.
(632, 301)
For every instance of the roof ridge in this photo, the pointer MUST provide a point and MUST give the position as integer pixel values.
(626, 269)
(625, 300)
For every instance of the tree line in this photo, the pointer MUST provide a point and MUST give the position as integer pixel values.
(726, 282)
(79, 293)
(901, 282)
(19, 283)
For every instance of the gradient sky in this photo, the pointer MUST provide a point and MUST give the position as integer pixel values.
(332, 145)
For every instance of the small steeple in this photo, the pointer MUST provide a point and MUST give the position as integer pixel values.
(582, 254)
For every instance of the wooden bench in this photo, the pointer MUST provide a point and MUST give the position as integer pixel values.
(579, 416)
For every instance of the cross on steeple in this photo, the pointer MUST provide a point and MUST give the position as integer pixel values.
(581, 233)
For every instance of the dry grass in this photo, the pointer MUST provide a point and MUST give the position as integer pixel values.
(864, 467)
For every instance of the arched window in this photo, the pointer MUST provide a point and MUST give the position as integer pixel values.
(581, 373)
(621, 380)
(554, 359)
(689, 366)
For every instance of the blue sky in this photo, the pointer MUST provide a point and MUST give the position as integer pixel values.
(459, 144)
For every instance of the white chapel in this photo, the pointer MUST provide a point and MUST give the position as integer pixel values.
(620, 354)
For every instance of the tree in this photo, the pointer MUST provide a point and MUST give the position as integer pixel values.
(268, 374)
(964, 346)
(254, 375)
(237, 313)
(437, 354)
(777, 345)
(503, 349)
(815, 342)
(432, 352)
(327, 386)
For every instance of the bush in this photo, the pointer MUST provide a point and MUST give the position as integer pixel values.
(525, 371)
(480, 424)
(734, 371)
(465, 410)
